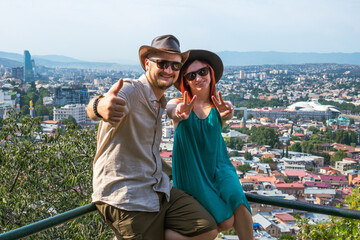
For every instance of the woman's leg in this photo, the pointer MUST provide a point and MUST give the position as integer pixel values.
(225, 225)
(243, 223)
(172, 235)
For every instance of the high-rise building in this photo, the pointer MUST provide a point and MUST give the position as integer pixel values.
(242, 74)
(33, 66)
(77, 111)
(28, 67)
(17, 72)
(75, 94)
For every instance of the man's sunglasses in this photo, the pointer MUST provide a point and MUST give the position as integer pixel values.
(192, 75)
(163, 64)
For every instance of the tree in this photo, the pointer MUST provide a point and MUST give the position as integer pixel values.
(25, 110)
(248, 156)
(234, 143)
(244, 130)
(43, 175)
(244, 168)
(313, 129)
(239, 114)
(342, 136)
(234, 154)
(287, 237)
(264, 135)
(307, 147)
(326, 158)
(295, 138)
(336, 228)
(44, 92)
(287, 152)
(230, 231)
(267, 160)
(338, 156)
(287, 180)
(316, 138)
(296, 147)
(226, 128)
(70, 120)
(41, 110)
(353, 138)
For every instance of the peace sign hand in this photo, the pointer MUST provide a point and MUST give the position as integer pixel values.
(183, 109)
(224, 107)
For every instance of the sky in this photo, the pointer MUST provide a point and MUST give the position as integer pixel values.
(113, 30)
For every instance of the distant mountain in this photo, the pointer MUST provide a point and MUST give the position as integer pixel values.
(231, 58)
(56, 58)
(12, 56)
(7, 60)
(87, 65)
(10, 63)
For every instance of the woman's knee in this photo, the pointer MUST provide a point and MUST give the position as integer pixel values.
(241, 209)
(225, 225)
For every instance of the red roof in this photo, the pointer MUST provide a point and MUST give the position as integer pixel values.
(262, 178)
(166, 154)
(289, 185)
(285, 217)
(326, 168)
(298, 173)
(317, 184)
(236, 163)
(299, 134)
(333, 178)
(345, 148)
(50, 122)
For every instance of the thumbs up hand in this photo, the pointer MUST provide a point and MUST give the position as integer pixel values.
(111, 107)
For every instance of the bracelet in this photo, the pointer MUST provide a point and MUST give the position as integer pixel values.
(95, 106)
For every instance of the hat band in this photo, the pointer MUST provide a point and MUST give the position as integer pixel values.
(169, 50)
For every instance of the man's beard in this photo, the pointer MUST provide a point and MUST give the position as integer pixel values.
(161, 84)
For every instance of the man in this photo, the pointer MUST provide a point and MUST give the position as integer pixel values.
(132, 193)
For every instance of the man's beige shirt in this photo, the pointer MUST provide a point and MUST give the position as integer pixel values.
(127, 166)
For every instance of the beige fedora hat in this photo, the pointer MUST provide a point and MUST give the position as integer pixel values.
(162, 44)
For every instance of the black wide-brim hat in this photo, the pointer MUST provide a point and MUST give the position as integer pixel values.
(162, 44)
(205, 56)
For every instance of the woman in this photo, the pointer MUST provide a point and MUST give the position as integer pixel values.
(201, 165)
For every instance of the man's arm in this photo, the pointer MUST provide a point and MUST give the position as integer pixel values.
(111, 108)
(171, 109)
(90, 110)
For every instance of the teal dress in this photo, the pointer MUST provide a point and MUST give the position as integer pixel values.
(202, 168)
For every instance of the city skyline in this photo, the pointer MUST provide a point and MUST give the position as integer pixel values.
(114, 31)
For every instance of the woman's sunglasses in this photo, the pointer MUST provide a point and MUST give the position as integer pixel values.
(192, 75)
(163, 64)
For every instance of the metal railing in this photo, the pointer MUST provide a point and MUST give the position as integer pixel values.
(77, 212)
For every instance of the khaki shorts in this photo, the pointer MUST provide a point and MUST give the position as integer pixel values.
(183, 214)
